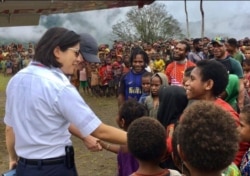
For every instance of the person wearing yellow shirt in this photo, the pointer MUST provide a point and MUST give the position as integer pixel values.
(159, 64)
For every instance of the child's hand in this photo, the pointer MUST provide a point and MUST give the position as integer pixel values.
(103, 144)
(92, 144)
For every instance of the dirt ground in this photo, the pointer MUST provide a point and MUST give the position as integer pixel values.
(88, 163)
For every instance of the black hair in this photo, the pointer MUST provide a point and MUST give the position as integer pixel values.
(187, 48)
(216, 71)
(147, 140)
(233, 42)
(147, 74)
(54, 37)
(135, 52)
(208, 137)
(188, 71)
(131, 110)
(196, 41)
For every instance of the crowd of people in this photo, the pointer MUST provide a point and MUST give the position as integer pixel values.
(183, 104)
(14, 57)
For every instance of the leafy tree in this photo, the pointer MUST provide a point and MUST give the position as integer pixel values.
(148, 24)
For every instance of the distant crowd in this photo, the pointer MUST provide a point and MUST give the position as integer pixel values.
(102, 79)
(14, 57)
(115, 61)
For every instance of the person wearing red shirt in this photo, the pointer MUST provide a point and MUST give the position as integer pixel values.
(207, 81)
(175, 70)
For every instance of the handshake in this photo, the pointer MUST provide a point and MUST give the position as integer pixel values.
(94, 145)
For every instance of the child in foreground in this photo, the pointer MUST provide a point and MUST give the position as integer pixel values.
(216, 132)
(146, 142)
(207, 81)
(145, 81)
(128, 112)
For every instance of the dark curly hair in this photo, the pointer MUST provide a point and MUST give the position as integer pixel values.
(214, 70)
(147, 139)
(207, 137)
(246, 110)
(130, 111)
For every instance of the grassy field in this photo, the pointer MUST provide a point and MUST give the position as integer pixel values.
(101, 163)
(3, 83)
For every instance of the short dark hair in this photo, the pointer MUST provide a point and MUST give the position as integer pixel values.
(187, 48)
(147, 74)
(131, 110)
(188, 71)
(233, 42)
(216, 71)
(208, 136)
(246, 110)
(147, 139)
(135, 52)
(196, 41)
(54, 37)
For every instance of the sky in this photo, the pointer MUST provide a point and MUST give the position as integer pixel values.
(222, 18)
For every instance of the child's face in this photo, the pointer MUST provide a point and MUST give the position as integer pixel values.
(146, 84)
(185, 79)
(244, 128)
(247, 54)
(155, 85)
(195, 87)
(108, 61)
(103, 62)
(157, 57)
(246, 68)
(101, 56)
(112, 53)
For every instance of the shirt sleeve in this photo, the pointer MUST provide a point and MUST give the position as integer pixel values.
(72, 107)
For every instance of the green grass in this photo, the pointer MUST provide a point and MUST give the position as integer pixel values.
(3, 82)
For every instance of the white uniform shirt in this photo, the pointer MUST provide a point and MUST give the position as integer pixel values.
(40, 105)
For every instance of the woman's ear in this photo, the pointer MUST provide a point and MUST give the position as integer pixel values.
(57, 52)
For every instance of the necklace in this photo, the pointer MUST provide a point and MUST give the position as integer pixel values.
(174, 80)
